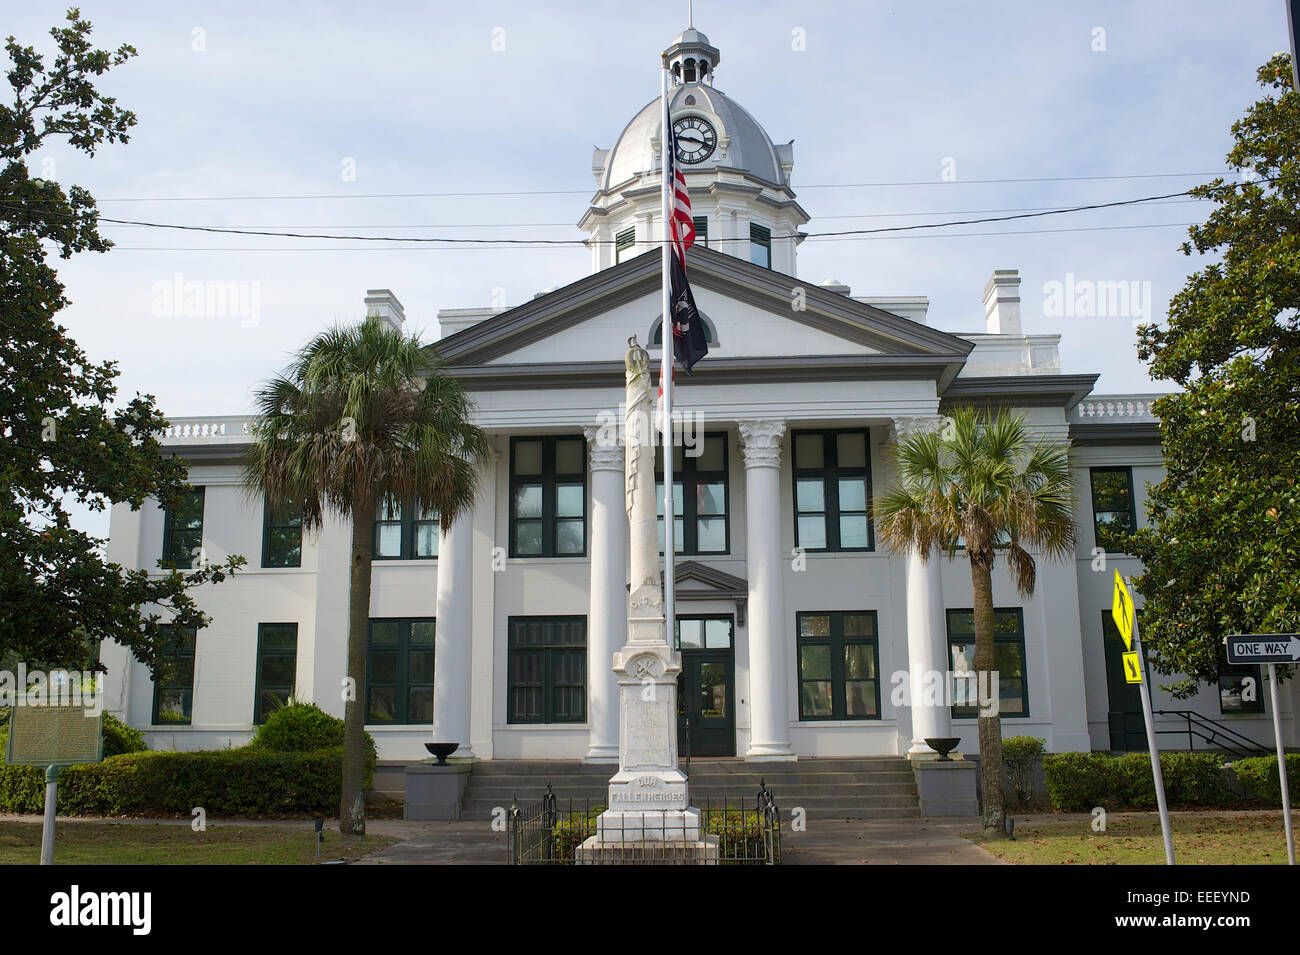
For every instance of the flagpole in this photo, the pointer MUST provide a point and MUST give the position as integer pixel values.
(666, 368)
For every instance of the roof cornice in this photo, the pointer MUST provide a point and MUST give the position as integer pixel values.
(1043, 391)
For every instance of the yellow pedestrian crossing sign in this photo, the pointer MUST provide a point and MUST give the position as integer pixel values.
(1121, 609)
(1132, 668)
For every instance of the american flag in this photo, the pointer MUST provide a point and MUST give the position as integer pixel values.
(690, 344)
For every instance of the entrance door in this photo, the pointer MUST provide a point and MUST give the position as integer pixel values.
(706, 688)
(1124, 700)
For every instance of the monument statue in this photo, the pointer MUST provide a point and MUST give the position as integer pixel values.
(649, 816)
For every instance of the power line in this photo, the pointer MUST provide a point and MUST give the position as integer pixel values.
(582, 192)
(426, 248)
(525, 225)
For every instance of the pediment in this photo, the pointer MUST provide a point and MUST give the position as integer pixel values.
(759, 314)
(700, 581)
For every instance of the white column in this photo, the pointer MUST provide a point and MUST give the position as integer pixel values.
(927, 630)
(607, 614)
(926, 640)
(453, 636)
(769, 724)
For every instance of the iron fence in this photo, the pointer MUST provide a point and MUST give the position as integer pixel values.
(728, 832)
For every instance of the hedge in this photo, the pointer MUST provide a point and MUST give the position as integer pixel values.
(1259, 775)
(1078, 782)
(229, 782)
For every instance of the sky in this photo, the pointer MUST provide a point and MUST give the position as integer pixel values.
(327, 117)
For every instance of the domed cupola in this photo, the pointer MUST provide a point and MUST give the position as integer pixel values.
(738, 179)
(691, 59)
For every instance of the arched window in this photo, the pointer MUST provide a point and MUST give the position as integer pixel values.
(690, 71)
(657, 331)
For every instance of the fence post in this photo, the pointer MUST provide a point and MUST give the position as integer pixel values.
(513, 829)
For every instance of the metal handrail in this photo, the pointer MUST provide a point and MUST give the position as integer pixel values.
(1200, 726)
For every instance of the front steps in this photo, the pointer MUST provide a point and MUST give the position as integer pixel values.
(875, 787)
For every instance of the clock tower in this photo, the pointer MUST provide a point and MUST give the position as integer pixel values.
(739, 180)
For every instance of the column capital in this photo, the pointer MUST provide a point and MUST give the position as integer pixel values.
(761, 440)
(904, 425)
(603, 455)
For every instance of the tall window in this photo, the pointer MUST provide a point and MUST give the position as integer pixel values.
(281, 535)
(399, 670)
(548, 499)
(547, 670)
(183, 530)
(699, 497)
(838, 665)
(277, 665)
(701, 230)
(760, 245)
(1009, 660)
(405, 531)
(1112, 501)
(832, 485)
(173, 678)
(624, 244)
(1241, 686)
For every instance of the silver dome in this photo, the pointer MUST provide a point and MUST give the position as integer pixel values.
(749, 147)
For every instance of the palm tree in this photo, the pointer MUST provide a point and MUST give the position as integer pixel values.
(365, 415)
(983, 484)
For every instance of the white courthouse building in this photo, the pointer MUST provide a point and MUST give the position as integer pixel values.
(797, 629)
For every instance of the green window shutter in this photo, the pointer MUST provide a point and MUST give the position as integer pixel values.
(546, 672)
(760, 245)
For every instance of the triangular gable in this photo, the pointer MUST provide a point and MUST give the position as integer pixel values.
(872, 329)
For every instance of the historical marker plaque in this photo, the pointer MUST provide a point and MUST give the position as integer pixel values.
(54, 736)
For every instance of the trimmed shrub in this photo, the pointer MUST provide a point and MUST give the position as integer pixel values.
(1259, 775)
(232, 782)
(1020, 755)
(1078, 782)
(306, 728)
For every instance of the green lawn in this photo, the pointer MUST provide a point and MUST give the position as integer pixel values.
(100, 843)
(1244, 839)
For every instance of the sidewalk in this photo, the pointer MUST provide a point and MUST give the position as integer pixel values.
(826, 841)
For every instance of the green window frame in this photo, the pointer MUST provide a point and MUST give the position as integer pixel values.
(624, 241)
(838, 659)
(277, 667)
(1009, 656)
(546, 671)
(760, 245)
(1113, 503)
(832, 490)
(701, 230)
(405, 531)
(1232, 677)
(173, 678)
(399, 670)
(548, 496)
(183, 530)
(281, 535)
(701, 497)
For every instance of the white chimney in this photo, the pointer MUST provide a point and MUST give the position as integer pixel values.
(1002, 302)
(383, 304)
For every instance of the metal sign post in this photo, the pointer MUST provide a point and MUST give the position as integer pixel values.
(1271, 649)
(1281, 764)
(53, 736)
(1126, 621)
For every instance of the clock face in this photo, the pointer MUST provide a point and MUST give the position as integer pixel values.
(696, 139)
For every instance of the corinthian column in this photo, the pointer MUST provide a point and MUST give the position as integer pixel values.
(769, 724)
(607, 615)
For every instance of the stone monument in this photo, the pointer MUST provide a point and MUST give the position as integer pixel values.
(649, 816)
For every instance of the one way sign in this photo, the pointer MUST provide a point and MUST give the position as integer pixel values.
(1264, 648)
